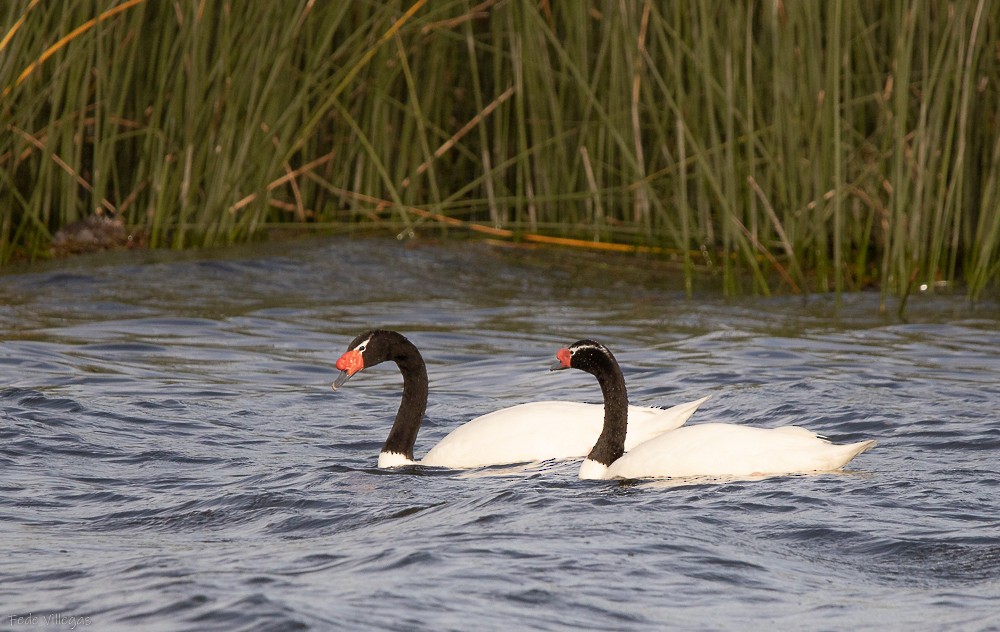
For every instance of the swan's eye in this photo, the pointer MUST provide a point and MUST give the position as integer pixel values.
(362, 346)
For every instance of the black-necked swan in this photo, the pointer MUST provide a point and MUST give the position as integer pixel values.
(711, 449)
(535, 431)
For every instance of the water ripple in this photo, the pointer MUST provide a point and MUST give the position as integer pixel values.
(172, 456)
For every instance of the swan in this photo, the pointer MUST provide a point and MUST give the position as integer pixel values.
(711, 449)
(535, 431)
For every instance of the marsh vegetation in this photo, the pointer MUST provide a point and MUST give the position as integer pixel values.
(785, 147)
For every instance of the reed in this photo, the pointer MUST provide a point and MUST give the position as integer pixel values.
(809, 146)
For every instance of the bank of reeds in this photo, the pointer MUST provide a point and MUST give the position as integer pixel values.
(806, 146)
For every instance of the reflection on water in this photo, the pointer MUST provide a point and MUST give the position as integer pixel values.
(173, 457)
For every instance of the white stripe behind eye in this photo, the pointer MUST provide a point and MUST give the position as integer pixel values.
(361, 345)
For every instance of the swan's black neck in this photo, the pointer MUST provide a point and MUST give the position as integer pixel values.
(403, 434)
(599, 362)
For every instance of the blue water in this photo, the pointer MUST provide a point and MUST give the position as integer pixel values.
(172, 456)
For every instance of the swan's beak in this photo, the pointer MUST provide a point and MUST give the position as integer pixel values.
(563, 358)
(341, 380)
(349, 364)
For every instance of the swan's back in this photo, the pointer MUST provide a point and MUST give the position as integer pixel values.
(716, 449)
(539, 431)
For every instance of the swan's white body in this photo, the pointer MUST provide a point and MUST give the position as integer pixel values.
(716, 449)
(539, 431)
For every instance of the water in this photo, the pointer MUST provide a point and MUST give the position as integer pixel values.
(172, 456)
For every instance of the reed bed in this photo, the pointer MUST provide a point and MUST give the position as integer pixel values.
(806, 146)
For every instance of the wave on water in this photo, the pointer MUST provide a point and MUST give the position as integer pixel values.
(172, 455)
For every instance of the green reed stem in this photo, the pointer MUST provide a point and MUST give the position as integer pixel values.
(796, 146)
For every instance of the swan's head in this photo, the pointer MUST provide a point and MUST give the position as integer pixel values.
(586, 355)
(368, 349)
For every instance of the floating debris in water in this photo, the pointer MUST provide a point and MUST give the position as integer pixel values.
(94, 234)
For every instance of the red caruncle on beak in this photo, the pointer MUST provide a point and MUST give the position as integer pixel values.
(352, 362)
(564, 357)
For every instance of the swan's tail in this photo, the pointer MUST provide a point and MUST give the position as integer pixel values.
(852, 450)
(646, 423)
(684, 411)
